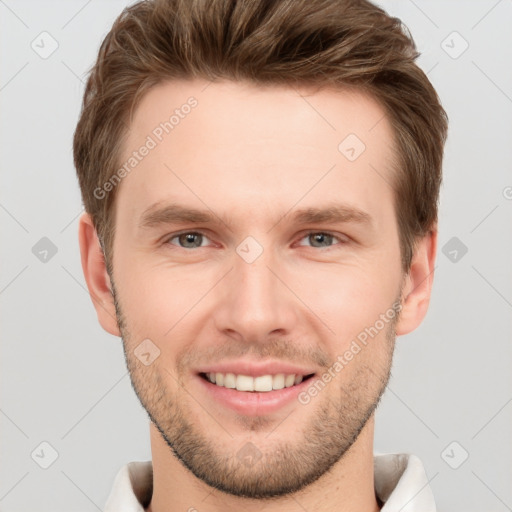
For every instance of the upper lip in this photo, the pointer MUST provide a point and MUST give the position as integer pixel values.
(256, 369)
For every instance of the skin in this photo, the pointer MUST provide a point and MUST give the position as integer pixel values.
(252, 156)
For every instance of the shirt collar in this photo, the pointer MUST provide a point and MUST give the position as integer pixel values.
(400, 482)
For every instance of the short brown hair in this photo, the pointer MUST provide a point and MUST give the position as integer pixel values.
(340, 43)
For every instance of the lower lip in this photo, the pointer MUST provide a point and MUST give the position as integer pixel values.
(254, 403)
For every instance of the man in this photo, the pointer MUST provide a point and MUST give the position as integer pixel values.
(261, 183)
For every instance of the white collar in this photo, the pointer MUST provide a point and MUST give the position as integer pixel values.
(400, 482)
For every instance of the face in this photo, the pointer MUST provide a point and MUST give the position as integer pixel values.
(292, 255)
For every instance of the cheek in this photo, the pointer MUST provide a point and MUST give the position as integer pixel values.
(155, 301)
(348, 299)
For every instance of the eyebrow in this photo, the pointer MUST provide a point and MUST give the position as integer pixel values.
(174, 213)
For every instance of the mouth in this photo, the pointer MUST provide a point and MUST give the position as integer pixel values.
(259, 384)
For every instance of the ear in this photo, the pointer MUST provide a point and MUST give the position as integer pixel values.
(418, 284)
(96, 276)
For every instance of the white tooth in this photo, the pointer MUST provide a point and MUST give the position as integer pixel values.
(289, 380)
(278, 381)
(247, 383)
(230, 380)
(263, 383)
(244, 383)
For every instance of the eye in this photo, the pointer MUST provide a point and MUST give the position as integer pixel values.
(196, 239)
(321, 239)
(188, 240)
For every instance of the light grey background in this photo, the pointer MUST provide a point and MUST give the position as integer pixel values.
(64, 380)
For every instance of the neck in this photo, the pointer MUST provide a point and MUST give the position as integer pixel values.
(347, 487)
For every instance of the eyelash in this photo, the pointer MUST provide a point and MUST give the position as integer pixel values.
(341, 241)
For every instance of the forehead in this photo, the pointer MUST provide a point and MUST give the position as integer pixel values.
(245, 109)
(242, 145)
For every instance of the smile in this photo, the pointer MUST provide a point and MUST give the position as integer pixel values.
(262, 383)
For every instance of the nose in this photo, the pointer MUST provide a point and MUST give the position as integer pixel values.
(254, 300)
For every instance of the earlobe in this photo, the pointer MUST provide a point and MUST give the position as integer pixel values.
(96, 276)
(418, 284)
